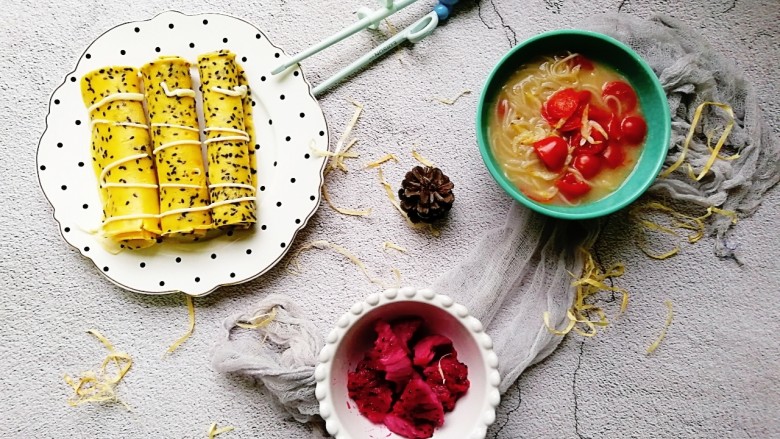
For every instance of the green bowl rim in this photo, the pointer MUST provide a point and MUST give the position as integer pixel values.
(575, 212)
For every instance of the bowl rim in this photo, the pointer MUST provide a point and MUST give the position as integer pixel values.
(513, 190)
(323, 372)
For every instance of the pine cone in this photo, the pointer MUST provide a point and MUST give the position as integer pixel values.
(426, 194)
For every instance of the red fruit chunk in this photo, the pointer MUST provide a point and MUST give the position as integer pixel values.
(561, 105)
(371, 393)
(582, 146)
(405, 329)
(599, 115)
(390, 354)
(614, 155)
(634, 130)
(448, 378)
(624, 94)
(425, 349)
(417, 412)
(588, 164)
(584, 63)
(552, 151)
(571, 186)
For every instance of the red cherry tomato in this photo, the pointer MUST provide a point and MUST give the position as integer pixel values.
(571, 186)
(552, 151)
(561, 105)
(573, 123)
(585, 147)
(584, 63)
(502, 108)
(623, 93)
(588, 164)
(634, 130)
(613, 154)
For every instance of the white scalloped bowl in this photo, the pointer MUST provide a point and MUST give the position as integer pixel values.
(353, 335)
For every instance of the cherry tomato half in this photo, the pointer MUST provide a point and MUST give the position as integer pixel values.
(552, 151)
(634, 130)
(623, 93)
(588, 164)
(585, 147)
(613, 154)
(571, 186)
(584, 63)
(561, 105)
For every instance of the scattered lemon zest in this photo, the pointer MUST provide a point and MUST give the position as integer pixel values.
(214, 431)
(715, 151)
(455, 99)
(397, 275)
(662, 335)
(387, 244)
(417, 156)
(343, 210)
(260, 321)
(679, 220)
(391, 27)
(190, 328)
(581, 314)
(727, 158)
(323, 244)
(100, 386)
(385, 158)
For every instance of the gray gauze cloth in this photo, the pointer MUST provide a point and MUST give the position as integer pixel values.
(519, 271)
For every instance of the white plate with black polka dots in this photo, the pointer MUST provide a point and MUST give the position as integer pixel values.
(288, 121)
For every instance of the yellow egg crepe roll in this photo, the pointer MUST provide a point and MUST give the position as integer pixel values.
(184, 194)
(227, 141)
(249, 124)
(121, 155)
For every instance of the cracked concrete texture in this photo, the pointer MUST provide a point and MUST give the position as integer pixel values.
(716, 373)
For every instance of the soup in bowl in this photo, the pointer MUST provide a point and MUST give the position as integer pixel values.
(573, 124)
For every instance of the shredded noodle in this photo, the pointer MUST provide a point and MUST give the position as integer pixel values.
(385, 158)
(322, 244)
(662, 335)
(190, 328)
(417, 156)
(455, 99)
(100, 386)
(581, 314)
(387, 244)
(214, 431)
(260, 321)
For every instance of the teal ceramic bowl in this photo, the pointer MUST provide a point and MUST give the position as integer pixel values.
(612, 53)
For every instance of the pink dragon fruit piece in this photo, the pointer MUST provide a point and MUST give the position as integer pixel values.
(417, 412)
(405, 329)
(372, 393)
(390, 353)
(426, 349)
(448, 378)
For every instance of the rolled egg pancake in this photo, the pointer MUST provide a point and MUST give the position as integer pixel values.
(184, 194)
(231, 185)
(121, 155)
(249, 123)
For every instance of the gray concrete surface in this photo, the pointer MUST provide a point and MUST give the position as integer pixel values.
(716, 375)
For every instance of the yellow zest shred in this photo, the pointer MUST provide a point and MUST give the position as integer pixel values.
(720, 156)
(584, 317)
(214, 431)
(679, 220)
(669, 317)
(322, 244)
(455, 99)
(397, 275)
(689, 137)
(100, 386)
(417, 156)
(391, 27)
(385, 158)
(260, 321)
(387, 244)
(190, 328)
